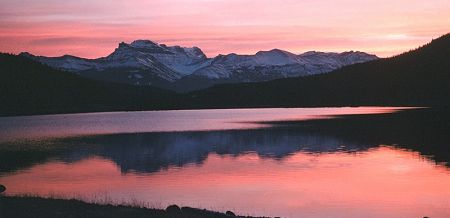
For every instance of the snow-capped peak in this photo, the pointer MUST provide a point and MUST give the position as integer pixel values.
(143, 43)
(274, 51)
(182, 60)
(275, 57)
(147, 62)
(309, 53)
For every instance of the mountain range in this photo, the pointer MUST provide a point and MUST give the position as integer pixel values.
(146, 63)
(419, 77)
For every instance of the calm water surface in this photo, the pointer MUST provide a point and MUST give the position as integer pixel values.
(64, 125)
(372, 162)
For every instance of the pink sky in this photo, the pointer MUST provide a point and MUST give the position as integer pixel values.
(93, 28)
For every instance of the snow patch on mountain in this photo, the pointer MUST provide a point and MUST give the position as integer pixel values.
(284, 63)
(147, 62)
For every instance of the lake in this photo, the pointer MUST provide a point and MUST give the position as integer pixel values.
(310, 162)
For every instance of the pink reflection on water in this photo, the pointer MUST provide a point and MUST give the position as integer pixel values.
(66, 125)
(382, 182)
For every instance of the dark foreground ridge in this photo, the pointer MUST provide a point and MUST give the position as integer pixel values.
(19, 207)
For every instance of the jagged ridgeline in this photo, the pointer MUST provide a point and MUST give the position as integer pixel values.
(146, 63)
(420, 77)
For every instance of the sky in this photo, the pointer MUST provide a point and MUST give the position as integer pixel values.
(93, 28)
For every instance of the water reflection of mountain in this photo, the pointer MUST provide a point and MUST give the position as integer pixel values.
(152, 151)
(425, 131)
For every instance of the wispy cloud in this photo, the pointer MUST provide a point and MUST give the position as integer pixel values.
(93, 28)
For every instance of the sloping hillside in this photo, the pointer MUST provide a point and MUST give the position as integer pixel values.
(420, 77)
(28, 87)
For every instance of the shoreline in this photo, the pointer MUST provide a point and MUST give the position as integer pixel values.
(25, 206)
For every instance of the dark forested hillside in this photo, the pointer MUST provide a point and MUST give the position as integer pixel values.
(420, 77)
(28, 87)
